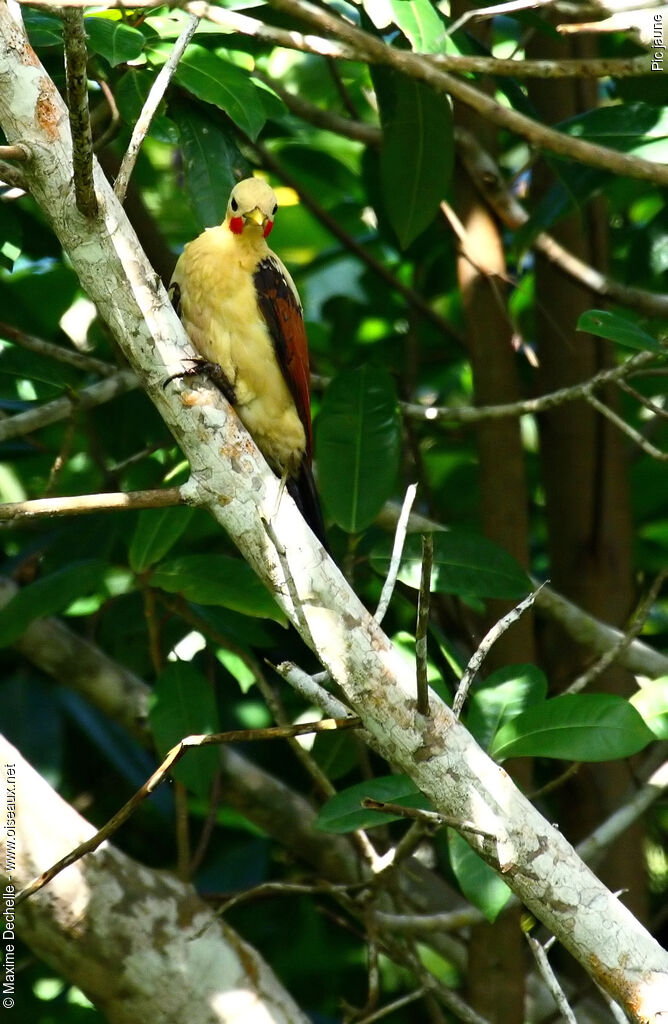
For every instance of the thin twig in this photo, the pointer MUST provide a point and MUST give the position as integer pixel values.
(627, 429)
(396, 1004)
(489, 181)
(374, 50)
(625, 640)
(464, 64)
(528, 406)
(485, 646)
(76, 80)
(418, 924)
(114, 126)
(60, 408)
(152, 103)
(159, 775)
(643, 400)
(599, 636)
(423, 625)
(80, 504)
(620, 820)
(432, 818)
(18, 152)
(81, 361)
(310, 689)
(550, 978)
(397, 551)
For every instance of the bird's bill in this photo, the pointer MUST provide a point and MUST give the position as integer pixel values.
(256, 216)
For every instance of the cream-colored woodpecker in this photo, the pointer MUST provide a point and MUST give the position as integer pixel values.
(242, 313)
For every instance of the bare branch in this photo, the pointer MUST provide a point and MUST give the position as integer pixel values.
(550, 978)
(82, 503)
(627, 429)
(397, 551)
(58, 352)
(76, 79)
(625, 640)
(13, 176)
(528, 406)
(157, 91)
(488, 179)
(61, 408)
(423, 624)
(159, 775)
(17, 152)
(375, 51)
(599, 636)
(486, 645)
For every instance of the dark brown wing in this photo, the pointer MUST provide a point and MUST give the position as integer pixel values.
(279, 304)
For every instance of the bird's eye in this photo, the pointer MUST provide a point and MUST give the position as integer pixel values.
(273, 212)
(234, 204)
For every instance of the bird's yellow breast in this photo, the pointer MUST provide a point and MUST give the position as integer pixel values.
(220, 313)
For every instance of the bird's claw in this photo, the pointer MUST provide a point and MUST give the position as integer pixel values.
(209, 369)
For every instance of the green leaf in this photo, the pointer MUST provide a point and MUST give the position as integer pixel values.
(183, 704)
(114, 40)
(47, 595)
(211, 161)
(464, 563)
(651, 701)
(130, 95)
(608, 325)
(217, 579)
(504, 695)
(479, 883)
(416, 157)
(637, 128)
(226, 86)
(576, 727)
(358, 437)
(43, 29)
(155, 533)
(420, 23)
(344, 813)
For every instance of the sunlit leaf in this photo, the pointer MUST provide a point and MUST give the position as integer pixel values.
(116, 41)
(504, 695)
(608, 325)
(651, 701)
(575, 727)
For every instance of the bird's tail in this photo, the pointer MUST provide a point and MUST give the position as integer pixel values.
(302, 491)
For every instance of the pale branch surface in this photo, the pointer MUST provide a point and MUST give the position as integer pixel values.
(60, 408)
(83, 503)
(153, 100)
(165, 958)
(599, 636)
(438, 753)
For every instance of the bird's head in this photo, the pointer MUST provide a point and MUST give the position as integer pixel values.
(251, 208)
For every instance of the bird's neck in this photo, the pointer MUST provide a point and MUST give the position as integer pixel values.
(248, 248)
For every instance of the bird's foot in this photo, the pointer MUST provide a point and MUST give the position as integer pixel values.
(213, 371)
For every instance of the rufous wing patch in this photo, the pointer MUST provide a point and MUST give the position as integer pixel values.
(282, 312)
